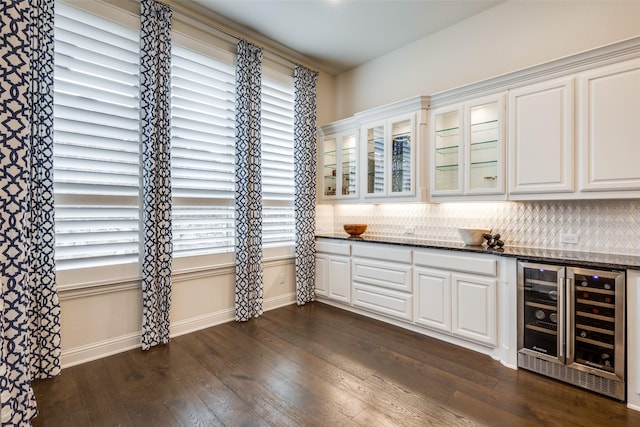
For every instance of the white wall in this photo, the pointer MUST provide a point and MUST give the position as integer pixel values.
(100, 319)
(508, 37)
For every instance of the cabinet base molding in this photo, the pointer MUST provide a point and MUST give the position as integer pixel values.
(494, 353)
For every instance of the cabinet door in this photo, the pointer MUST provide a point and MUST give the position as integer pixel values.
(340, 166)
(348, 166)
(321, 276)
(373, 139)
(484, 169)
(390, 157)
(339, 275)
(402, 157)
(541, 121)
(474, 308)
(329, 167)
(433, 298)
(609, 141)
(447, 150)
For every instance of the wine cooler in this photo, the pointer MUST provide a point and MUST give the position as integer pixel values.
(571, 325)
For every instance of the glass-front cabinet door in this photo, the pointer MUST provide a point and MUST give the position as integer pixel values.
(447, 137)
(485, 166)
(329, 166)
(467, 152)
(390, 157)
(401, 157)
(339, 171)
(348, 165)
(375, 136)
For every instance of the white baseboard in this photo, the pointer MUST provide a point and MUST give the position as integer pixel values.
(632, 406)
(201, 322)
(279, 301)
(100, 349)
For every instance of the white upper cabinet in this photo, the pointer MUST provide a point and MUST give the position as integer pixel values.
(339, 153)
(376, 155)
(467, 150)
(541, 138)
(447, 149)
(608, 125)
(390, 157)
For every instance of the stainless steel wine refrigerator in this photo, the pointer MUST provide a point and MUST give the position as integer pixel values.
(571, 325)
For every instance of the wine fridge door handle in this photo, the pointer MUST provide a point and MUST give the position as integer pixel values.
(562, 287)
(571, 320)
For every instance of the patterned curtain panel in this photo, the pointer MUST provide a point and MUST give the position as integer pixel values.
(305, 181)
(44, 312)
(249, 281)
(29, 308)
(155, 96)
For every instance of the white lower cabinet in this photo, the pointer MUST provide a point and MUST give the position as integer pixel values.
(464, 303)
(382, 280)
(473, 308)
(433, 298)
(333, 270)
(454, 294)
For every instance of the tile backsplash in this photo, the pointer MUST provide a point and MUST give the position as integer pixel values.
(608, 226)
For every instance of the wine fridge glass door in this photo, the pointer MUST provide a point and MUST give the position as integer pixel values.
(541, 291)
(596, 330)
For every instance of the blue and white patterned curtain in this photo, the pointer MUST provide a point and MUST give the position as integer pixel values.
(155, 102)
(305, 142)
(248, 207)
(29, 305)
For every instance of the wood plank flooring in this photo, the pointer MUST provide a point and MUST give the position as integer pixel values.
(313, 366)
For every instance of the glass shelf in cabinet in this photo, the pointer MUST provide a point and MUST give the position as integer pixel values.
(489, 163)
(447, 167)
(486, 122)
(453, 130)
(448, 148)
(330, 165)
(483, 144)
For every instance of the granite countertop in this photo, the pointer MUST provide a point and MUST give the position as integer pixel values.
(555, 256)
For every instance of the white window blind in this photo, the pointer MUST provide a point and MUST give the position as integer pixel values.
(96, 140)
(202, 152)
(277, 158)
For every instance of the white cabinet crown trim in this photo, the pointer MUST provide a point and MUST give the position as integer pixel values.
(608, 54)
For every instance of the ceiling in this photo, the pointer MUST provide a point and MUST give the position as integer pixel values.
(337, 35)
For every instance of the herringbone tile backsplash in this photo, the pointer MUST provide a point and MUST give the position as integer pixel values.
(608, 226)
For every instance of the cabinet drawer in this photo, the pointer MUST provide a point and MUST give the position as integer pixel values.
(333, 248)
(383, 252)
(487, 266)
(384, 274)
(384, 301)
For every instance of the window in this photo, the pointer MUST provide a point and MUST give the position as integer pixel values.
(278, 222)
(96, 140)
(97, 143)
(202, 152)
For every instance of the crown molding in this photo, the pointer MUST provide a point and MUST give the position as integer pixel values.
(604, 55)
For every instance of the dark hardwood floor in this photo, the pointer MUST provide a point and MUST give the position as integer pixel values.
(308, 366)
